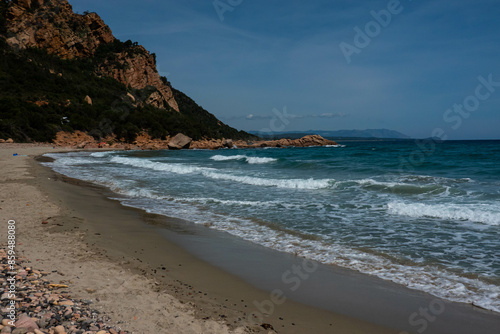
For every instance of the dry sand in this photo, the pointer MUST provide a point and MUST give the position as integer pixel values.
(113, 256)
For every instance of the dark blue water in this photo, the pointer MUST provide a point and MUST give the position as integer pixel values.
(424, 215)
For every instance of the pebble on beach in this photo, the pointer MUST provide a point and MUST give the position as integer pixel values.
(43, 307)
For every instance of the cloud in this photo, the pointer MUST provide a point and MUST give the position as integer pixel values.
(252, 117)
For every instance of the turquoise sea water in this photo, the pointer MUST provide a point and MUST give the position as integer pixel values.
(426, 217)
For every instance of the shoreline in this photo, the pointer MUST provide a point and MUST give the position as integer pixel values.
(107, 219)
(193, 297)
(330, 288)
(143, 141)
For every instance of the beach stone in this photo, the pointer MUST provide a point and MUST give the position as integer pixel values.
(20, 331)
(6, 329)
(25, 321)
(9, 141)
(267, 326)
(5, 322)
(53, 297)
(179, 141)
(42, 323)
(66, 303)
(59, 329)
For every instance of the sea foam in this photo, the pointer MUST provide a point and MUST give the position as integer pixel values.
(250, 160)
(177, 168)
(101, 154)
(215, 174)
(279, 183)
(436, 281)
(392, 196)
(480, 213)
(402, 188)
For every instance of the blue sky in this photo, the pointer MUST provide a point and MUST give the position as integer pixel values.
(279, 65)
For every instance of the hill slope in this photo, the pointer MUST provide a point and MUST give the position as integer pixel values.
(64, 71)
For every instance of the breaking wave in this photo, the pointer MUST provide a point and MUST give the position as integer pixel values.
(250, 160)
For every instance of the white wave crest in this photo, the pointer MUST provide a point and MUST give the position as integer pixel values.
(213, 174)
(436, 281)
(73, 161)
(404, 188)
(173, 168)
(479, 213)
(279, 183)
(433, 179)
(250, 160)
(226, 158)
(257, 160)
(100, 154)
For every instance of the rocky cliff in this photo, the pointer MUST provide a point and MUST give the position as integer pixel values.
(138, 69)
(53, 26)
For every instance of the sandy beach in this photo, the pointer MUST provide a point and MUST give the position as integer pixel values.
(153, 274)
(160, 289)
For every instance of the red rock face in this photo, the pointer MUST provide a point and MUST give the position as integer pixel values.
(307, 141)
(52, 25)
(139, 71)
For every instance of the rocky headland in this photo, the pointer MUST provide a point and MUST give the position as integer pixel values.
(80, 140)
(95, 91)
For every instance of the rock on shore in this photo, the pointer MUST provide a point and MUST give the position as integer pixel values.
(43, 307)
(307, 141)
(81, 140)
(180, 141)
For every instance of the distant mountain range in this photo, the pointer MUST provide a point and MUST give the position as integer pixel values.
(366, 134)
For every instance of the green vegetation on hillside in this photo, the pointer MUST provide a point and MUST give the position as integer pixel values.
(41, 94)
(3, 21)
(204, 124)
(60, 86)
